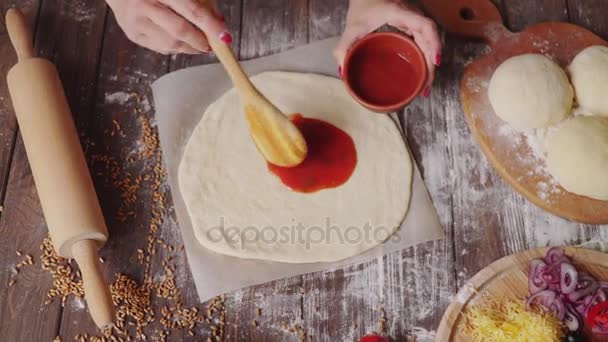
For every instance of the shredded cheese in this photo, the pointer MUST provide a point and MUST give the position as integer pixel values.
(508, 320)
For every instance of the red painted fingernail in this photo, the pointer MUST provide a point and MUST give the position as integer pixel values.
(427, 92)
(226, 37)
(340, 71)
(438, 59)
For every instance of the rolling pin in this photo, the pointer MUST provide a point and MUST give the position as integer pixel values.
(65, 188)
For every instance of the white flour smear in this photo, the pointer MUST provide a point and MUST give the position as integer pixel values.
(119, 97)
(536, 140)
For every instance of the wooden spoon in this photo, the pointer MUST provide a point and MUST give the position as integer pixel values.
(276, 137)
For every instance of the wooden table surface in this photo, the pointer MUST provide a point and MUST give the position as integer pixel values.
(107, 79)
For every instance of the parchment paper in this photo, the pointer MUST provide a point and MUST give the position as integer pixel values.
(181, 99)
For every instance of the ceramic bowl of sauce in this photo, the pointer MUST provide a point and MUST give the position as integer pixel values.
(384, 71)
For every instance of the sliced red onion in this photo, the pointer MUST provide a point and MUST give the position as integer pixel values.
(549, 300)
(572, 318)
(535, 282)
(557, 286)
(568, 278)
(556, 255)
(586, 286)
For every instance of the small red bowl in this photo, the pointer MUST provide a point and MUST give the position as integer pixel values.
(384, 71)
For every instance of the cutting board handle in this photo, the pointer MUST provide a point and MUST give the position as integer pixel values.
(478, 19)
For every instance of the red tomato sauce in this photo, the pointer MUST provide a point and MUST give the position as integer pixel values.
(330, 161)
(382, 76)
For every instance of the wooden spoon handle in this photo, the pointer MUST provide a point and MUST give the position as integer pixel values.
(478, 19)
(233, 67)
(96, 291)
(19, 34)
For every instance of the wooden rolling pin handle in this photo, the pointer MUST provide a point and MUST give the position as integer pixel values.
(19, 34)
(96, 290)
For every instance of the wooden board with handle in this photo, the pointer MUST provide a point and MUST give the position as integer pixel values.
(510, 151)
(508, 278)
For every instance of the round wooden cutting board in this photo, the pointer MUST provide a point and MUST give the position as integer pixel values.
(508, 277)
(510, 151)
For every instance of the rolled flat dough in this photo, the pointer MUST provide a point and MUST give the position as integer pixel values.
(239, 208)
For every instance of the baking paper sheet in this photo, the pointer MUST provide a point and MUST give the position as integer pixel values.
(181, 99)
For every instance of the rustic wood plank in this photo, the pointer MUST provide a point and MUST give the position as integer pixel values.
(71, 34)
(327, 18)
(271, 26)
(473, 184)
(25, 316)
(589, 14)
(521, 14)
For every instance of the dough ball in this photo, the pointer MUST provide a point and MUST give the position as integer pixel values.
(589, 75)
(530, 91)
(578, 156)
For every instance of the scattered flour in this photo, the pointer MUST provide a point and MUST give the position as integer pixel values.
(145, 104)
(423, 335)
(78, 303)
(536, 141)
(119, 97)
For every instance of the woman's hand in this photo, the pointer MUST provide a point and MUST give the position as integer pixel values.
(365, 16)
(171, 26)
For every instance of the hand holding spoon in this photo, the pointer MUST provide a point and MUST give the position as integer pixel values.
(276, 137)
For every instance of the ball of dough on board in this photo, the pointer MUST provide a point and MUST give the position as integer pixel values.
(239, 208)
(578, 156)
(530, 91)
(589, 75)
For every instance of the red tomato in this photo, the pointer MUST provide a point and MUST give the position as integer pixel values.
(597, 317)
(374, 338)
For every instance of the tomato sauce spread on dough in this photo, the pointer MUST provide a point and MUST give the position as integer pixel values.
(330, 161)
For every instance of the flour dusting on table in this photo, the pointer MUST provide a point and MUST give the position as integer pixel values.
(536, 140)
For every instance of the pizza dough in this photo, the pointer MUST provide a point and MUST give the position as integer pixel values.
(239, 208)
(589, 75)
(578, 156)
(530, 91)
